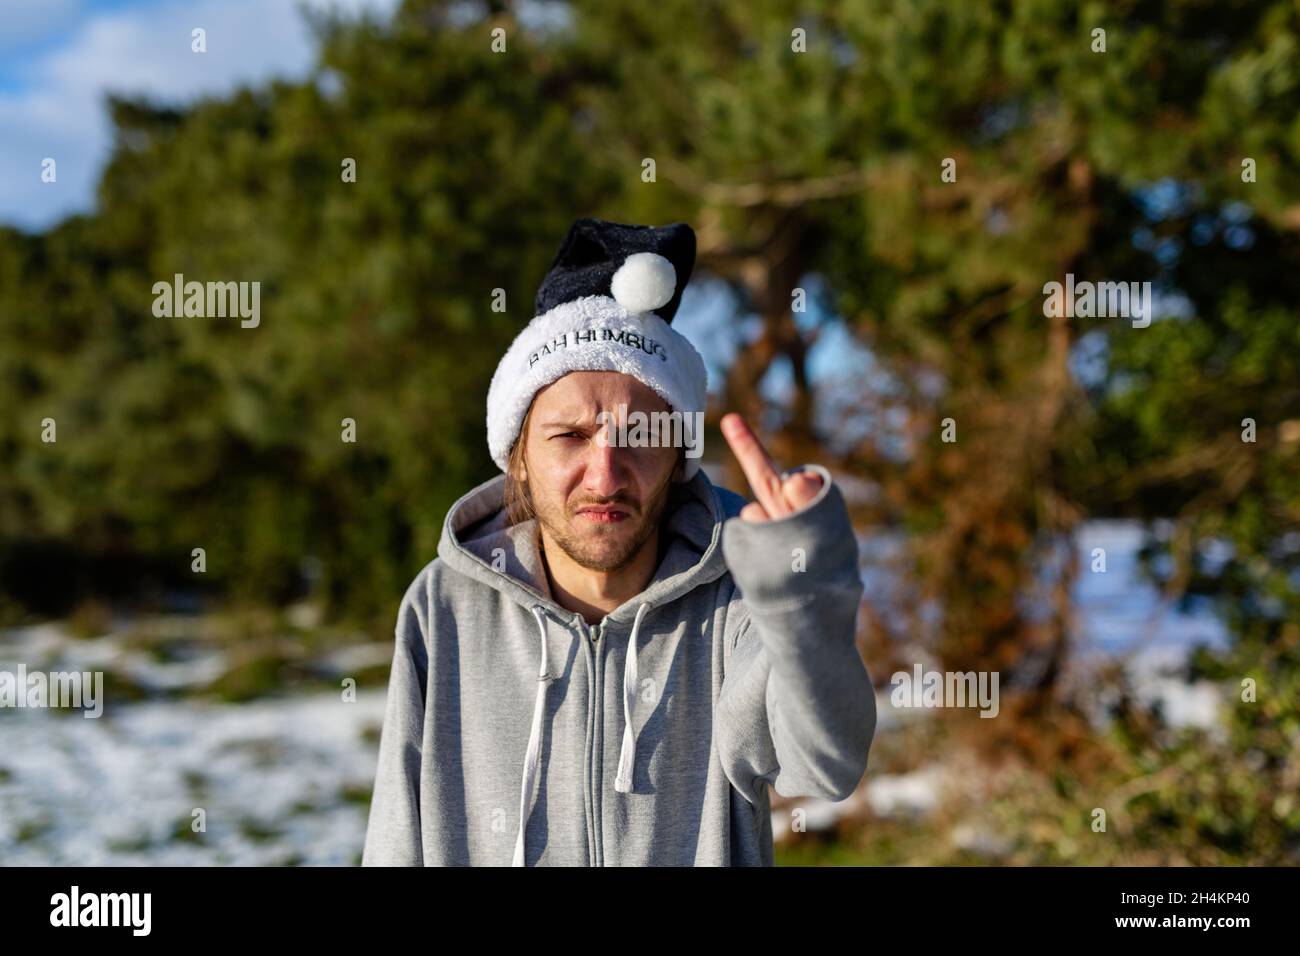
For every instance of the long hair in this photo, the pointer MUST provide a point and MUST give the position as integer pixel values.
(518, 499)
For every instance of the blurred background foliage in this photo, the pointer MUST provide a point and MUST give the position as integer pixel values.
(818, 170)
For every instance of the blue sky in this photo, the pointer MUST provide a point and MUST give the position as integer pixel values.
(59, 58)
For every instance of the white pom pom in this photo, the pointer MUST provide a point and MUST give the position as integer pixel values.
(644, 282)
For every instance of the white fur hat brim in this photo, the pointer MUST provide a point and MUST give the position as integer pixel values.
(592, 334)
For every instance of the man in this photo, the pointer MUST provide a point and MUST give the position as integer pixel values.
(611, 657)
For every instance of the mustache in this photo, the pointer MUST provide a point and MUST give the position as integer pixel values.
(621, 499)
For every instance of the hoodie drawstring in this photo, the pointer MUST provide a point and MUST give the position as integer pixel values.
(627, 757)
(531, 759)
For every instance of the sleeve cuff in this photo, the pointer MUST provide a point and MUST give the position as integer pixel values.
(792, 558)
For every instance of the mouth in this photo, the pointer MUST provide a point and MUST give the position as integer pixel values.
(603, 514)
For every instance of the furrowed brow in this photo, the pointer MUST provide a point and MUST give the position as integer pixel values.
(577, 424)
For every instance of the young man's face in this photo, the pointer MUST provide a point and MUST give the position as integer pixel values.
(599, 502)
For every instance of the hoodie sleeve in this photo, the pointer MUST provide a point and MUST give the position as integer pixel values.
(797, 708)
(393, 832)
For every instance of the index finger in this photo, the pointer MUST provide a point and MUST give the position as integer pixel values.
(755, 462)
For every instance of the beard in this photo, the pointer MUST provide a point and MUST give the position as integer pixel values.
(601, 546)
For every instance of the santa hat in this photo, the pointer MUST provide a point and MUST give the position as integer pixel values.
(605, 305)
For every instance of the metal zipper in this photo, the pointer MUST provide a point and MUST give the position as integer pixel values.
(598, 741)
(589, 763)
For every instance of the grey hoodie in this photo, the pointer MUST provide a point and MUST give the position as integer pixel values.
(514, 732)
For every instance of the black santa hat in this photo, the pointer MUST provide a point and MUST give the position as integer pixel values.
(605, 304)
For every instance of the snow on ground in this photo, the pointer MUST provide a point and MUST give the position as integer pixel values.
(278, 779)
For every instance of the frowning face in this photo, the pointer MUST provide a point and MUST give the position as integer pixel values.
(599, 502)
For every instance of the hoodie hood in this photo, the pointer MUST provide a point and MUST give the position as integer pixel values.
(691, 535)
(477, 538)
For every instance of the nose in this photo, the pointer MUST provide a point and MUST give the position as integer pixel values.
(604, 474)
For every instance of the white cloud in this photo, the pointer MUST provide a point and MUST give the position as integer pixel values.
(58, 108)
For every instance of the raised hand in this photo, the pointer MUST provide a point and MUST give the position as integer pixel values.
(776, 496)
